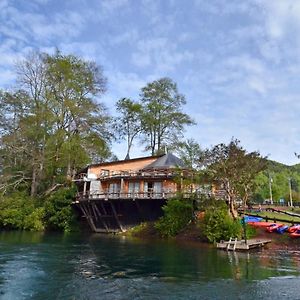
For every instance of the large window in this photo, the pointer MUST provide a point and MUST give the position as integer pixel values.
(157, 187)
(153, 189)
(134, 188)
(94, 188)
(114, 190)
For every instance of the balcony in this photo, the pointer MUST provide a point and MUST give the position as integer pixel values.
(122, 196)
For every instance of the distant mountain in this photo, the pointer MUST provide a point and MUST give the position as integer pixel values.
(276, 167)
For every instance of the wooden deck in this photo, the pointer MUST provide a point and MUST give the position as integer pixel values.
(133, 196)
(241, 245)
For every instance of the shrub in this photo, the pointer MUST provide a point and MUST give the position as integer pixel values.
(59, 214)
(218, 225)
(177, 214)
(34, 221)
(18, 211)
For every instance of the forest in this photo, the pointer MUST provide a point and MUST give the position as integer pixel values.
(53, 122)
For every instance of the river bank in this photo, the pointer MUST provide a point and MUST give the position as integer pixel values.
(192, 235)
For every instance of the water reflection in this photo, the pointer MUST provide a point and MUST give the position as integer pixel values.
(168, 259)
(54, 266)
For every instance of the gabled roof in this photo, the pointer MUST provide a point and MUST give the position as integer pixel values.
(166, 161)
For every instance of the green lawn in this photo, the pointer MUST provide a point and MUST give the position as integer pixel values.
(271, 215)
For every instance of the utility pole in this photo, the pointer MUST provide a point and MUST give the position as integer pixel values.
(290, 188)
(270, 188)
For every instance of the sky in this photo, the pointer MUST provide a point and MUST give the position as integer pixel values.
(236, 62)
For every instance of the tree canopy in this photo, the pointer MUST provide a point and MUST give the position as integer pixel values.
(163, 121)
(234, 170)
(53, 123)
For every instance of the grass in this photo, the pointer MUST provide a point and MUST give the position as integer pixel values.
(278, 216)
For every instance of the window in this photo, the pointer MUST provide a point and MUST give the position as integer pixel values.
(134, 188)
(114, 190)
(153, 189)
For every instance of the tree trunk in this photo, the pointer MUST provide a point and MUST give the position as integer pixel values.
(232, 209)
(69, 172)
(33, 182)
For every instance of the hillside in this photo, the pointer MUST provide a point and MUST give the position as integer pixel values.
(282, 178)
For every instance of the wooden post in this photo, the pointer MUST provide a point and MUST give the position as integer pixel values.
(122, 187)
(116, 216)
(87, 216)
(100, 216)
(84, 188)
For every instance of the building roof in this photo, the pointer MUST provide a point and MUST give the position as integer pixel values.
(116, 162)
(166, 161)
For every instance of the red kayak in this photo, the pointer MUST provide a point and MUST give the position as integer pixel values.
(295, 234)
(260, 224)
(273, 227)
(293, 228)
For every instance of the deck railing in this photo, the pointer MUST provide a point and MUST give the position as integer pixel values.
(131, 174)
(121, 195)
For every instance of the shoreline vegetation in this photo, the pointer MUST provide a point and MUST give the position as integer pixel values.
(194, 230)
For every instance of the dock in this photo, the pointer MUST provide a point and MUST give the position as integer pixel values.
(242, 245)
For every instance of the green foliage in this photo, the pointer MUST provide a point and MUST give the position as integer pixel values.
(162, 118)
(59, 214)
(190, 153)
(53, 125)
(143, 230)
(234, 170)
(280, 174)
(20, 212)
(34, 221)
(177, 214)
(218, 225)
(250, 231)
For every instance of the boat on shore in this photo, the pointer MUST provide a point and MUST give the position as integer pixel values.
(294, 228)
(261, 224)
(274, 227)
(295, 234)
(282, 229)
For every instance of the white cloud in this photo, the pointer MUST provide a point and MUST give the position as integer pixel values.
(33, 25)
(282, 17)
(161, 54)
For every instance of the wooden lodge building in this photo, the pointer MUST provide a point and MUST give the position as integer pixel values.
(117, 195)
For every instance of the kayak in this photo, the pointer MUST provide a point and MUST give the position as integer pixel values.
(260, 224)
(294, 228)
(282, 229)
(273, 227)
(250, 219)
(295, 234)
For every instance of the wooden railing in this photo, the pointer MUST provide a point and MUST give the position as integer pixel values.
(135, 195)
(131, 174)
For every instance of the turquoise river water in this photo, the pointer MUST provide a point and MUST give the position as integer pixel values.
(56, 266)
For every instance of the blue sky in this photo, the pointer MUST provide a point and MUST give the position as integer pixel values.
(237, 62)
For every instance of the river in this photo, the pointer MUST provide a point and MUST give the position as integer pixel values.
(76, 266)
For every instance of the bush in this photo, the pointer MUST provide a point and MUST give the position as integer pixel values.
(218, 225)
(19, 211)
(59, 214)
(177, 214)
(34, 221)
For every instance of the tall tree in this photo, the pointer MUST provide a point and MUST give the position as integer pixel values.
(163, 121)
(54, 123)
(233, 170)
(80, 121)
(26, 112)
(190, 153)
(128, 124)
